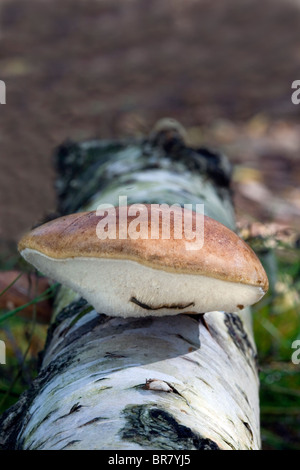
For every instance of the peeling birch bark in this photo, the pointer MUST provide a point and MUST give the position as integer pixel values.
(176, 382)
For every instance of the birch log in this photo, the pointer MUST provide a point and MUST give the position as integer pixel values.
(174, 382)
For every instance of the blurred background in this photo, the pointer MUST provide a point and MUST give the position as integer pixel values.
(111, 68)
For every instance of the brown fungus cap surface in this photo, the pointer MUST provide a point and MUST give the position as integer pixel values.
(140, 261)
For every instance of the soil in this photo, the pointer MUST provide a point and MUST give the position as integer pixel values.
(110, 68)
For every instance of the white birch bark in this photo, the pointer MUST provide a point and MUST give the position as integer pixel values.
(178, 382)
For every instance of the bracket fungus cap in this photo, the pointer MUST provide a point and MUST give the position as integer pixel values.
(141, 276)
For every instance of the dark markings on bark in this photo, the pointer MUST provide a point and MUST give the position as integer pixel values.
(148, 307)
(235, 329)
(155, 428)
(85, 328)
(48, 415)
(70, 444)
(71, 310)
(17, 416)
(172, 389)
(92, 421)
(203, 321)
(204, 381)
(247, 426)
(77, 164)
(11, 423)
(243, 394)
(202, 160)
(84, 312)
(191, 360)
(195, 346)
(42, 421)
(76, 407)
(113, 355)
(99, 380)
(102, 389)
(39, 444)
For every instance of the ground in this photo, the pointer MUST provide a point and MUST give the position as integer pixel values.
(110, 68)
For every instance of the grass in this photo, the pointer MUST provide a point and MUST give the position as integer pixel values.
(276, 327)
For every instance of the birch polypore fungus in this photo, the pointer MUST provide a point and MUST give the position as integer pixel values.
(129, 265)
